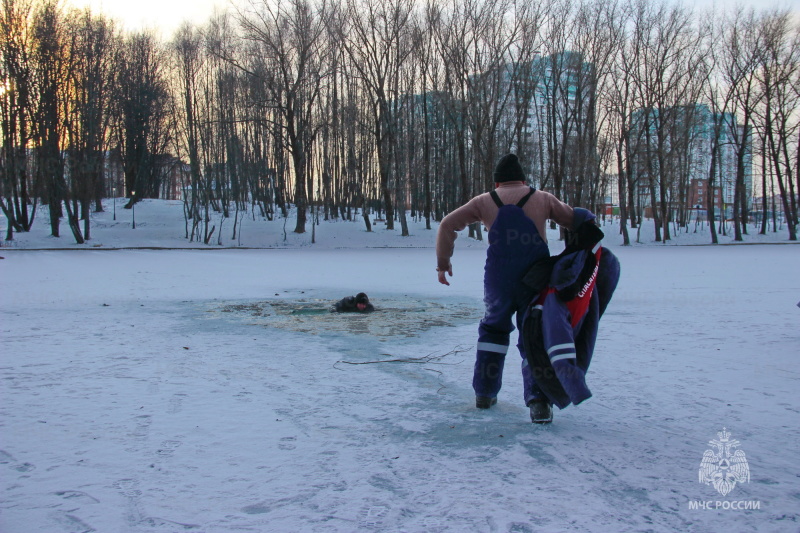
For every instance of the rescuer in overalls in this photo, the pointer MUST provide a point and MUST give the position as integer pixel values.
(516, 216)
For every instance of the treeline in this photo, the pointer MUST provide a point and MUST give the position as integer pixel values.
(395, 108)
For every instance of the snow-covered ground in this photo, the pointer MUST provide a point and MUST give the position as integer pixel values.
(161, 224)
(202, 390)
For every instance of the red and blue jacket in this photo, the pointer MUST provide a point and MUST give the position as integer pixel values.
(561, 323)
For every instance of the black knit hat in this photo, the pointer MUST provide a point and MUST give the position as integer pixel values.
(361, 298)
(508, 169)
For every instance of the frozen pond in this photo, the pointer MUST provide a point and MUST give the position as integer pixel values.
(163, 391)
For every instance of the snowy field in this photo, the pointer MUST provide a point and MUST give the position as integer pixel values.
(161, 224)
(205, 390)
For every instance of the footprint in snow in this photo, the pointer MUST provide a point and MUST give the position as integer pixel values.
(24, 467)
(142, 428)
(168, 448)
(175, 404)
(8, 459)
(128, 488)
(286, 443)
(372, 516)
(77, 496)
(70, 522)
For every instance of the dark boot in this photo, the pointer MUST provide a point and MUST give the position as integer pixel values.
(541, 411)
(484, 402)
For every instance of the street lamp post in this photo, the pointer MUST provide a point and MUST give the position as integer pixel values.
(133, 198)
(114, 194)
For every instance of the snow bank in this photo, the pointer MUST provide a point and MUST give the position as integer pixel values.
(161, 224)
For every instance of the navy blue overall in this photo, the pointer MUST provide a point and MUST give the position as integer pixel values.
(514, 245)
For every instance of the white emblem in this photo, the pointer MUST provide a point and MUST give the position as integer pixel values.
(724, 468)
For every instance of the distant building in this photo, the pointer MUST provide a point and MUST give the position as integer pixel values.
(686, 150)
(697, 197)
(551, 109)
(774, 208)
(547, 105)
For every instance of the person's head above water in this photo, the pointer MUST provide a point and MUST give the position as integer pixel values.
(362, 300)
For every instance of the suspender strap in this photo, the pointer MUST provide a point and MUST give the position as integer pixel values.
(496, 199)
(521, 202)
(525, 198)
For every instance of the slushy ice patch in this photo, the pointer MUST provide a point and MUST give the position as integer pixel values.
(397, 316)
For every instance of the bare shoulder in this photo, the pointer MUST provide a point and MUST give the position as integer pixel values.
(550, 198)
(545, 195)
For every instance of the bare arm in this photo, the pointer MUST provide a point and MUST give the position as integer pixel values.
(560, 212)
(446, 237)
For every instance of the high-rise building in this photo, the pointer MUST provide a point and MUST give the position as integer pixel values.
(550, 115)
(680, 139)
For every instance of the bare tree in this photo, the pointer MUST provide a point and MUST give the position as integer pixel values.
(141, 114)
(454, 38)
(778, 77)
(617, 99)
(187, 52)
(376, 36)
(424, 52)
(669, 53)
(91, 54)
(376, 106)
(718, 96)
(490, 90)
(556, 107)
(17, 200)
(598, 37)
(478, 86)
(290, 41)
(50, 76)
(741, 51)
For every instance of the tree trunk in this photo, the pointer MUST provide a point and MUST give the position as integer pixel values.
(764, 201)
(623, 207)
(710, 200)
(365, 214)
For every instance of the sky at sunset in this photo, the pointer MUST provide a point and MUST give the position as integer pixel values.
(167, 15)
